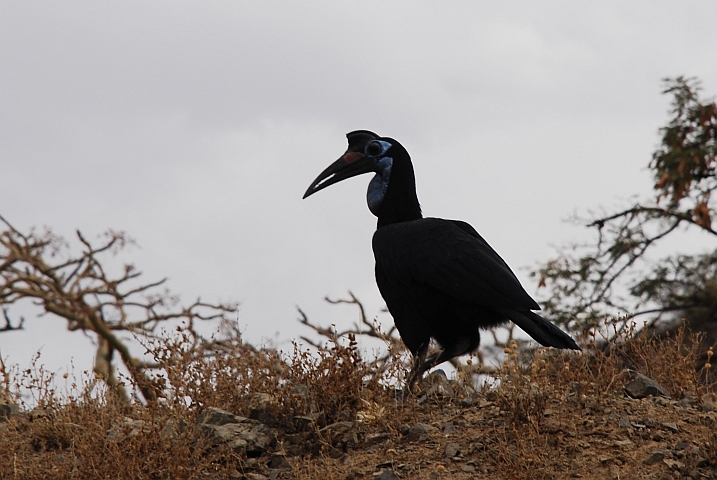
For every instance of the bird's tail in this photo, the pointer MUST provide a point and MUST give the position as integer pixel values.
(542, 331)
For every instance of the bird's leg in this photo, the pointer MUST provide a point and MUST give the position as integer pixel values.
(460, 348)
(418, 364)
(423, 364)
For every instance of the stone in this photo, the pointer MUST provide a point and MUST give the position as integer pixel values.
(255, 476)
(622, 443)
(451, 450)
(672, 427)
(243, 435)
(7, 410)
(304, 422)
(674, 464)
(420, 432)
(279, 462)
(657, 456)
(373, 438)
(386, 475)
(127, 427)
(641, 386)
(172, 430)
(448, 428)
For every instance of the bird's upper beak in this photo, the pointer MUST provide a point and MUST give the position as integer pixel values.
(349, 165)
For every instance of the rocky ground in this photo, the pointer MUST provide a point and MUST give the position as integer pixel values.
(445, 432)
(588, 415)
(576, 437)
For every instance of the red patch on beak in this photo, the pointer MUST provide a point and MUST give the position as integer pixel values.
(351, 157)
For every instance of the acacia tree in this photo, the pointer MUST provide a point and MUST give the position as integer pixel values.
(79, 289)
(614, 275)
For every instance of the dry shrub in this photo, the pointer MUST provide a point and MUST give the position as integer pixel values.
(87, 434)
(91, 431)
(326, 386)
(520, 395)
(670, 360)
(600, 370)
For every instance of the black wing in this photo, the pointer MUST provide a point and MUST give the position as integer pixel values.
(451, 257)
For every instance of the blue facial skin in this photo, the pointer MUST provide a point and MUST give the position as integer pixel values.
(378, 185)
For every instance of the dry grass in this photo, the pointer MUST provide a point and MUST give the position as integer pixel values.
(552, 415)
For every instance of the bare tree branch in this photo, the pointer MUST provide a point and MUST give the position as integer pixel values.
(8, 323)
(78, 289)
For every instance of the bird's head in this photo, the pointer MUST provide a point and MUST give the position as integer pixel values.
(366, 149)
(369, 153)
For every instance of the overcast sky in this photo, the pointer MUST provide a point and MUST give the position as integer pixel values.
(197, 126)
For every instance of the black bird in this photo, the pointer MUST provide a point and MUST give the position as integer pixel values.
(440, 279)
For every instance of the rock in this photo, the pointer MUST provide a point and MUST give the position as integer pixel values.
(172, 430)
(354, 475)
(243, 435)
(641, 386)
(648, 423)
(441, 390)
(338, 427)
(7, 410)
(279, 462)
(373, 438)
(216, 416)
(255, 476)
(657, 456)
(467, 401)
(708, 419)
(264, 412)
(451, 450)
(672, 427)
(304, 422)
(300, 390)
(624, 422)
(341, 432)
(622, 443)
(386, 475)
(448, 428)
(128, 427)
(420, 432)
(674, 464)
(37, 414)
(686, 401)
(437, 384)
(434, 378)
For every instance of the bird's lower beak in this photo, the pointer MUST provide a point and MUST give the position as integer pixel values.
(349, 165)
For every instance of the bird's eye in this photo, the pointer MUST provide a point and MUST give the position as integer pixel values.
(374, 148)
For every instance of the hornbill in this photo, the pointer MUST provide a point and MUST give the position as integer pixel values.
(440, 279)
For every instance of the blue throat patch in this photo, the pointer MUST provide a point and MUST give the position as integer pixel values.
(378, 185)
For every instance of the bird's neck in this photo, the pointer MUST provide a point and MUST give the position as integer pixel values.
(400, 203)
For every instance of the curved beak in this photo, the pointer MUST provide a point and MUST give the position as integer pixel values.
(349, 165)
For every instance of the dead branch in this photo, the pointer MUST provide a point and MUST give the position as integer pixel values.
(8, 323)
(78, 288)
